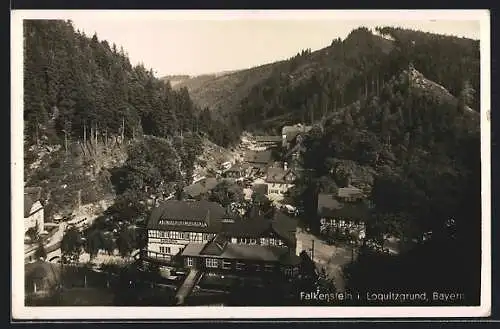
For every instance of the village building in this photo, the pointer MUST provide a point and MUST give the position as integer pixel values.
(260, 189)
(267, 142)
(346, 219)
(174, 224)
(42, 278)
(350, 194)
(278, 181)
(259, 160)
(258, 245)
(33, 210)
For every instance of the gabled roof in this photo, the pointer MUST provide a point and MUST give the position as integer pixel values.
(260, 226)
(292, 131)
(202, 187)
(329, 207)
(260, 157)
(215, 246)
(211, 213)
(240, 252)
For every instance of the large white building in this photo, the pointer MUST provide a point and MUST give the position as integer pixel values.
(174, 224)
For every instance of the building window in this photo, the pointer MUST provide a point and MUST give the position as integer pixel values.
(212, 263)
(189, 262)
(257, 268)
(240, 266)
(164, 250)
(226, 265)
(253, 241)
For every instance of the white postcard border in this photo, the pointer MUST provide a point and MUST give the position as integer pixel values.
(21, 312)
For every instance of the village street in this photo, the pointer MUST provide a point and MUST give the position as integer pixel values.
(331, 258)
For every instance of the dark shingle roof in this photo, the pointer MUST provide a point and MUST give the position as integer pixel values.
(260, 188)
(271, 139)
(329, 207)
(260, 157)
(351, 191)
(210, 212)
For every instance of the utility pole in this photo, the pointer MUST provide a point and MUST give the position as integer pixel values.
(312, 250)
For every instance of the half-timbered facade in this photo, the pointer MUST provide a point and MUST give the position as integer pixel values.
(174, 224)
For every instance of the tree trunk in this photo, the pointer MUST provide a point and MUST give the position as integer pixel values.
(366, 86)
(36, 133)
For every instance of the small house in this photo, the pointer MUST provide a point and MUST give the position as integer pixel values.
(345, 219)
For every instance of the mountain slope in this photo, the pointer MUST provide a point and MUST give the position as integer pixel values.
(222, 93)
(310, 84)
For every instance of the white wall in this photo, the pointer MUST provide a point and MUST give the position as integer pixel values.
(36, 217)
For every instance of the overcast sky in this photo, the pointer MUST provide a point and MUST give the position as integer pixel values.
(210, 43)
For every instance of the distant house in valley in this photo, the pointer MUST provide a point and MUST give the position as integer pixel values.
(200, 189)
(279, 180)
(259, 160)
(267, 142)
(238, 170)
(292, 135)
(33, 210)
(345, 218)
(41, 278)
(350, 194)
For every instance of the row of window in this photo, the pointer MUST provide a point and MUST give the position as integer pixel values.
(275, 191)
(263, 241)
(339, 222)
(182, 222)
(165, 250)
(227, 265)
(191, 236)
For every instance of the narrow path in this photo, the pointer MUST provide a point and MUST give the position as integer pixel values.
(187, 286)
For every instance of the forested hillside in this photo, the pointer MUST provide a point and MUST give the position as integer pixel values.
(314, 84)
(77, 86)
(88, 111)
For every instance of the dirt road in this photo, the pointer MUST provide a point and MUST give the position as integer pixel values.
(331, 258)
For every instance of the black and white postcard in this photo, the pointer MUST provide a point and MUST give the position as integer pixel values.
(250, 164)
